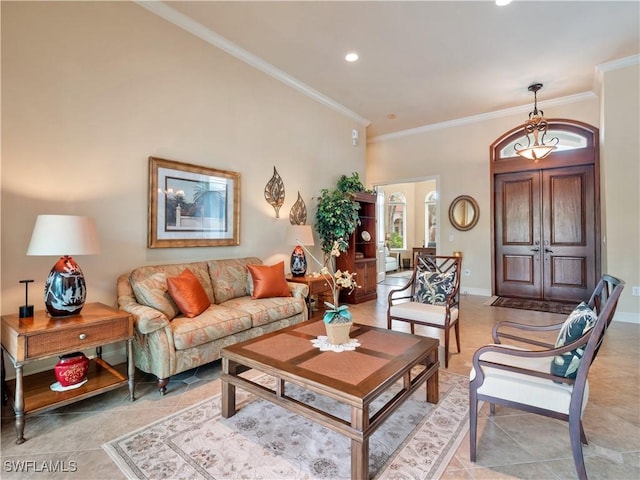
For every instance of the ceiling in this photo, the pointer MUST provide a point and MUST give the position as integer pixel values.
(425, 62)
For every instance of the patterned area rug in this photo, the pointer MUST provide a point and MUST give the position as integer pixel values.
(265, 441)
(539, 305)
(402, 274)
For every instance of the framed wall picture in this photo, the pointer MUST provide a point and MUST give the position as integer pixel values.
(192, 206)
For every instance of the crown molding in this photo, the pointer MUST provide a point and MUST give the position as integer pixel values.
(619, 63)
(481, 117)
(603, 68)
(195, 28)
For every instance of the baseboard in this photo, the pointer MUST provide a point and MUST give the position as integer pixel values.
(481, 292)
(627, 317)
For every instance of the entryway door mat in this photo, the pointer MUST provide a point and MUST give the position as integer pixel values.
(539, 305)
(264, 441)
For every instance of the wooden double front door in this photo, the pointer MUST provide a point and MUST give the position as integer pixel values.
(545, 235)
(546, 225)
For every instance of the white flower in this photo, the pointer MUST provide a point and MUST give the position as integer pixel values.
(337, 280)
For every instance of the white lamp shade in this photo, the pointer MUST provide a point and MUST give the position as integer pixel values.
(300, 235)
(64, 235)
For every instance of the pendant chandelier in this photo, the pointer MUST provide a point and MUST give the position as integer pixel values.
(536, 127)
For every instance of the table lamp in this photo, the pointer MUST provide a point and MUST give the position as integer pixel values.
(65, 290)
(299, 235)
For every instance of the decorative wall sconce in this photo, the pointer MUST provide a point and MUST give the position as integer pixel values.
(274, 192)
(536, 126)
(298, 213)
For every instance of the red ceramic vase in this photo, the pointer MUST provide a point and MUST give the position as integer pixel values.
(72, 369)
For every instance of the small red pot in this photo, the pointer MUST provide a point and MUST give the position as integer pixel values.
(72, 368)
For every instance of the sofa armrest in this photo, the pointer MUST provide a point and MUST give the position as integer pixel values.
(146, 319)
(299, 290)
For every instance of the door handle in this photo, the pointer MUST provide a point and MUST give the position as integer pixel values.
(535, 249)
(548, 251)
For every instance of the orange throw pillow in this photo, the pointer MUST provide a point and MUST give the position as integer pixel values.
(269, 281)
(188, 294)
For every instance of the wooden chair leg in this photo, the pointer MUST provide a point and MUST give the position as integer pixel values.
(473, 424)
(575, 433)
(446, 348)
(583, 437)
(457, 329)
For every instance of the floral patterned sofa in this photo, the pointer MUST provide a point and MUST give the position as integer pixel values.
(166, 342)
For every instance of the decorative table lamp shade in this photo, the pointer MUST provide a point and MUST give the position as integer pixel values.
(65, 290)
(299, 235)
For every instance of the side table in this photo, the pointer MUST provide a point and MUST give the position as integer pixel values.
(26, 340)
(316, 285)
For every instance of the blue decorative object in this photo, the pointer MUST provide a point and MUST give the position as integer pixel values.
(579, 322)
(298, 262)
(337, 315)
(434, 287)
(65, 290)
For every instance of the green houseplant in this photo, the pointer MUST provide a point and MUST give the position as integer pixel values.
(337, 213)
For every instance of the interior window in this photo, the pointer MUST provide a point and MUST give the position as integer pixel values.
(430, 223)
(566, 141)
(397, 222)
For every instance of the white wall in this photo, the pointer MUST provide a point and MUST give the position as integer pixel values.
(620, 170)
(90, 90)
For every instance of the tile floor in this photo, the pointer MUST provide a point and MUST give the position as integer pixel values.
(511, 444)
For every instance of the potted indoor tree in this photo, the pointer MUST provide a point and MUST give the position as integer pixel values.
(337, 213)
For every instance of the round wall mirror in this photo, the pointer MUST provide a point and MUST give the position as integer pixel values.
(464, 212)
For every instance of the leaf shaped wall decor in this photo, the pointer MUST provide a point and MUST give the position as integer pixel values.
(298, 213)
(274, 192)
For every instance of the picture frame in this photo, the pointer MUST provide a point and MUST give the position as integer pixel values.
(192, 205)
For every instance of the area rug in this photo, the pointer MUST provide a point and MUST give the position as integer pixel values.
(403, 274)
(539, 305)
(265, 441)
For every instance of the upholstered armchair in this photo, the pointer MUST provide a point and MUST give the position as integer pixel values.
(430, 297)
(545, 379)
(391, 262)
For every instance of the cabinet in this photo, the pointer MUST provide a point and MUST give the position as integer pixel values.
(26, 340)
(360, 256)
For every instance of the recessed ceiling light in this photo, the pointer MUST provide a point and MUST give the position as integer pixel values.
(351, 57)
(502, 3)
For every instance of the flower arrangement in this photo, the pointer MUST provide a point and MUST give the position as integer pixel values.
(338, 280)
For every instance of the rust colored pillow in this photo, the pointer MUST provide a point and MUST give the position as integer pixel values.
(188, 293)
(269, 281)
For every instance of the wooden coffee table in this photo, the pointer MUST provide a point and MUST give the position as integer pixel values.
(355, 378)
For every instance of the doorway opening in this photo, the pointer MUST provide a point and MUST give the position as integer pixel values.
(408, 214)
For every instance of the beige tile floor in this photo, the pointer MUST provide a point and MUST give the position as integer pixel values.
(511, 444)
